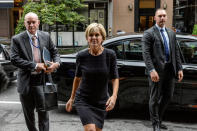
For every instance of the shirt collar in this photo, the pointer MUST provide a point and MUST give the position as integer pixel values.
(30, 35)
(159, 28)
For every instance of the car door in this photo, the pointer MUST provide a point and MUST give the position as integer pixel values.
(189, 83)
(134, 62)
(117, 47)
(133, 82)
(139, 82)
(6, 64)
(64, 76)
(137, 90)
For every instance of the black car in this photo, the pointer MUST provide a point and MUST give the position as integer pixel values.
(134, 89)
(7, 70)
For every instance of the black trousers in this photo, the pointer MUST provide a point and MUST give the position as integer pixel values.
(161, 93)
(29, 104)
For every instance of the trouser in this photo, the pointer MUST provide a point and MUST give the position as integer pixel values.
(161, 93)
(29, 105)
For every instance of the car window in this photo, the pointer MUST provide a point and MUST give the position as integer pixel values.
(2, 57)
(133, 49)
(118, 49)
(189, 50)
(1, 53)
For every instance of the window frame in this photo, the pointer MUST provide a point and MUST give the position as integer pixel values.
(130, 40)
(179, 40)
(112, 44)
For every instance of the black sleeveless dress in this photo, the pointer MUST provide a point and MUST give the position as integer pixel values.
(92, 94)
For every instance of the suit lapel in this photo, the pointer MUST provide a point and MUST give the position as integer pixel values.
(27, 46)
(170, 38)
(157, 32)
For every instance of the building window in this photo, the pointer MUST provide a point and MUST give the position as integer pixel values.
(189, 50)
(182, 9)
(98, 13)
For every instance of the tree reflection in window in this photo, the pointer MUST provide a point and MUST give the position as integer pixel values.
(118, 49)
(189, 51)
(133, 49)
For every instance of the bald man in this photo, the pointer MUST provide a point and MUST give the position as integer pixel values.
(163, 64)
(26, 50)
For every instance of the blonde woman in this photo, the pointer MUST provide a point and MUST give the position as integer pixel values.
(95, 66)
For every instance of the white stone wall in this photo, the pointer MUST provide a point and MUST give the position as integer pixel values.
(66, 38)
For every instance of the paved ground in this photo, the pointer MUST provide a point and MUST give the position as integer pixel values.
(11, 118)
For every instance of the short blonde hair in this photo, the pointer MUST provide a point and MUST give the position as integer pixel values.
(95, 27)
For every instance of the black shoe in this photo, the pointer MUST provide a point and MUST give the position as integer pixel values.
(156, 127)
(162, 126)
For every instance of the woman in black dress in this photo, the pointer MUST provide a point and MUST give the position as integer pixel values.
(95, 66)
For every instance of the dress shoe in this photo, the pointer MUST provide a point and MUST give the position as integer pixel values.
(156, 127)
(162, 126)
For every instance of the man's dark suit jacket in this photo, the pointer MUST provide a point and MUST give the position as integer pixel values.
(21, 56)
(153, 50)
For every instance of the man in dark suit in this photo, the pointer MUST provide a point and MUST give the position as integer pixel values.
(163, 64)
(26, 50)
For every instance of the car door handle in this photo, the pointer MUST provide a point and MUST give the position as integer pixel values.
(119, 65)
(190, 68)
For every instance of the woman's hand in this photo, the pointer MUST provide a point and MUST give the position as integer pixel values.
(69, 105)
(111, 103)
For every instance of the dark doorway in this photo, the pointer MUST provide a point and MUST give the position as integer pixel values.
(146, 22)
(146, 19)
(16, 14)
(16, 18)
(145, 11)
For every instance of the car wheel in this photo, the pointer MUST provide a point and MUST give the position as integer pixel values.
(132, 93)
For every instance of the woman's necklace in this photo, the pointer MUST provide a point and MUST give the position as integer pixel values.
(96, 52)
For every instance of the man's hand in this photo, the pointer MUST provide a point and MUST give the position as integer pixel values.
(154, 76)
(52, 67)
(40, 67)
(180, 76)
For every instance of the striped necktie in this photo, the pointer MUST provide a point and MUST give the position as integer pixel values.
(36, 51)
(165, 45)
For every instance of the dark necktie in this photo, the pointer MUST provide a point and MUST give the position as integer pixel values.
(165, 45)
(36, 54)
